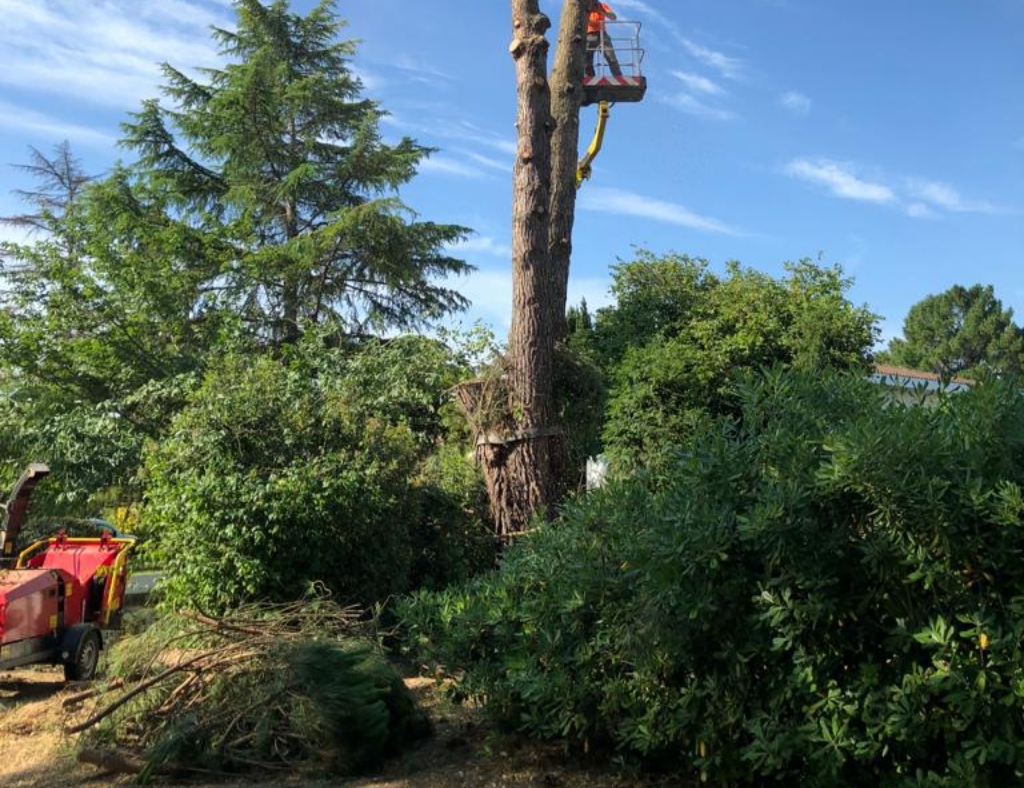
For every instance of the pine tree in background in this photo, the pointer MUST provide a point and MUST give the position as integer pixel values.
(59, 181)
(278, 155)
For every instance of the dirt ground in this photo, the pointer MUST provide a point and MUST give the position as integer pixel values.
(465, 751)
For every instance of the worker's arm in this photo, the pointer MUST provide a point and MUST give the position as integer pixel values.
(608, 11)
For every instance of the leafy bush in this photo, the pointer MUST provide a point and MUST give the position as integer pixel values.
(94, 450)
(678, 333)
(824, 590)
(284, 472)
(580, 397)
(407, 381)
(452, 538)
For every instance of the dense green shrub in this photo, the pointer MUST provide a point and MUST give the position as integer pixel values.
(315, 467)
(824, 590)
(580, 397)
(267, 482)
(452, 538)
(407, 381)
(93, 449)
(677, 334)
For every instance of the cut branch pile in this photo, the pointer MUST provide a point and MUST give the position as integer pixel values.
(268, 688)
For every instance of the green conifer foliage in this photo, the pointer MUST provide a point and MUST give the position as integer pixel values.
(277, 153)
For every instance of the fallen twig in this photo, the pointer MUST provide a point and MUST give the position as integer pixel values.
(73, 700)
(137, 690)
(126, 763)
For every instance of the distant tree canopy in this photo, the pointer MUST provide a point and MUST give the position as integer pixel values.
(962, 331)
(678, 333)
(262, 200)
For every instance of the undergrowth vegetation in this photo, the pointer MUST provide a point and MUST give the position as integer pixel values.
(298, 687)
(825, 589)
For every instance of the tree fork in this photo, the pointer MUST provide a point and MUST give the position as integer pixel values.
(523, 450)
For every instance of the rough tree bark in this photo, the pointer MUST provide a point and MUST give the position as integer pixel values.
(521, 448)
(566, 97)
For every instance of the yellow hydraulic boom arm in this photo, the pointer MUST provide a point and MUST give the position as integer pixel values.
(583, 166)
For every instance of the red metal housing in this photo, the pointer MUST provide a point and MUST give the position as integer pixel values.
(59, 594)
(28, 604)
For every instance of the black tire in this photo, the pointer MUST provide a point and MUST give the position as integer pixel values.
(80, 652)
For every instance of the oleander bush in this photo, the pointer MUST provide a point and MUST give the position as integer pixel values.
(825, 589)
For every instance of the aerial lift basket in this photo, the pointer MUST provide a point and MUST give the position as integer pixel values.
(624, 38)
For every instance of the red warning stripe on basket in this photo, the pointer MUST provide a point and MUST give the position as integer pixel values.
(611, 82)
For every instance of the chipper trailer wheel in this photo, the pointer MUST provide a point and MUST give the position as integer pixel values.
(80, 652)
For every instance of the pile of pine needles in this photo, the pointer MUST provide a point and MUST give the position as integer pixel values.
(268, 688)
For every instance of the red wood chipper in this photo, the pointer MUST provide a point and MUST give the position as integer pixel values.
(58, 596)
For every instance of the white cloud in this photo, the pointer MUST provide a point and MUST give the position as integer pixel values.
(726, 65)
(103, 52)
(919, 198)
(450, 166)
(418, 67)
(27, 120)
(694, 106)
(482, 244)
(941, 194)
(456, 130)
(596, 289)
(16, 235)
(796, 102)
(698, 84)
(624, 203)
(945, 196)
(488, 161)
(370, 80)
(490, 296)
(470, 132)
(840, 179)
(919, 210)
(638, 5)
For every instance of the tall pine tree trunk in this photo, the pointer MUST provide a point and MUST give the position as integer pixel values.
(522, 450)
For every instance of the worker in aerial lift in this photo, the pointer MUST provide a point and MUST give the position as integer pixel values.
(597, 38)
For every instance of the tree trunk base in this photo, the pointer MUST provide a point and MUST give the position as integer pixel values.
(509, 456)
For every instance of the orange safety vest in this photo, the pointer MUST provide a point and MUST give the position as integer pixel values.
(595, 22)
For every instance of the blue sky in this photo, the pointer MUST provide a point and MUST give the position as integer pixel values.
(885, 136)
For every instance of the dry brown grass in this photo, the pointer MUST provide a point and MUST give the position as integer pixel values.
(32, 744)
(465, 752)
